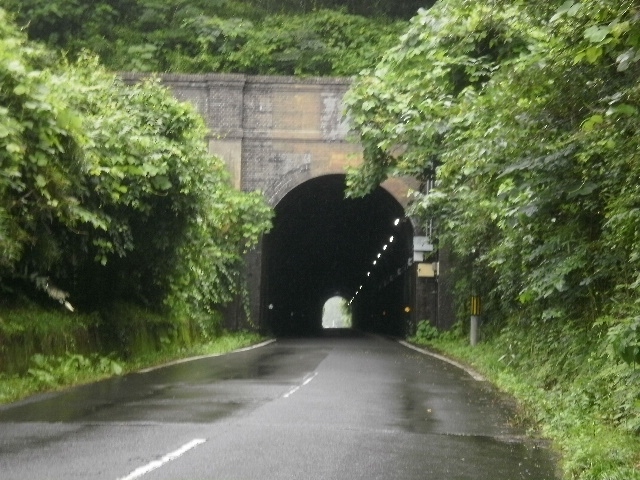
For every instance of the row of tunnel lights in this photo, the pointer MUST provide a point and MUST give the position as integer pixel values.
(396, 222)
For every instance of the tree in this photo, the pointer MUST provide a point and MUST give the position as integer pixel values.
(254, 37)
(529, 114)
(109, 189)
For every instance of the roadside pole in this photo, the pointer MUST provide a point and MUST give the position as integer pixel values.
(475, 319)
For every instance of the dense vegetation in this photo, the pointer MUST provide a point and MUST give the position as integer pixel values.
(254, 37)
(522, 116)
(64, 357)
(526, 115)
(108, 195)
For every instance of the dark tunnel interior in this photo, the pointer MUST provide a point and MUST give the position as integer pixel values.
(324, 245)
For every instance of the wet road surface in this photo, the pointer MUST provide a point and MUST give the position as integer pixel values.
(339, 407)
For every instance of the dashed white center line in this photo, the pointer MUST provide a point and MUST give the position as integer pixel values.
(295, 389)
(139, 472)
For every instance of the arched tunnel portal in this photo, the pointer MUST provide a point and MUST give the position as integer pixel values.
(324, 245)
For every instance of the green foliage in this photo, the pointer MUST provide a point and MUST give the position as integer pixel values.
(425, 332)
(371, 8)
(109, 189)
(585, 399)
(224, 342)
(133, 330)
(50, 372)
(54, 371)
(44, 324)
(227, 342)
(51, 343)
(533, 143)
(223, 36)
(29, 330)
(624, 339)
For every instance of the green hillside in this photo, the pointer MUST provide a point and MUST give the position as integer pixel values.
(261, 37)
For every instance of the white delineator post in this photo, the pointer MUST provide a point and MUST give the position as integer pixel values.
(475, 319)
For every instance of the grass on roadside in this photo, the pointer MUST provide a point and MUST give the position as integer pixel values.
(590, 445)
(51, 373)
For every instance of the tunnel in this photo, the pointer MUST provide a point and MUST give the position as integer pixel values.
(324, 245)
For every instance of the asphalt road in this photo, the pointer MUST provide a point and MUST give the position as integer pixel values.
(343, 407)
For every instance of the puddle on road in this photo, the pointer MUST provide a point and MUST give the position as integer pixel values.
(476, 457)
(473, 423)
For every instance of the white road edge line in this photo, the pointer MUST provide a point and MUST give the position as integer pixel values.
(475, 375)
(309, 379)
(291, 392)
(200, 357)
(139, 472)
(295, 389)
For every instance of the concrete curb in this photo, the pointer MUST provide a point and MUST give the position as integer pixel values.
(475, 375)
(210, 355)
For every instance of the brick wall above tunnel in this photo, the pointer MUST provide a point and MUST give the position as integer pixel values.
(275, 132)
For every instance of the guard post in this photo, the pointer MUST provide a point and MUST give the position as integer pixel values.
(476, 310)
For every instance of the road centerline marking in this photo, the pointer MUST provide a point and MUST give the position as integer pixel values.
(295, 389)
(149, 467)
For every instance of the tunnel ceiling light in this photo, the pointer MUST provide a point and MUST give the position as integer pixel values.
(384, 247)
(379, 255)
(368, 274)
(391, 239)
(375, 261)
(396, 222)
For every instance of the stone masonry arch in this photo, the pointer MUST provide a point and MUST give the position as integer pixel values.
(275, 132)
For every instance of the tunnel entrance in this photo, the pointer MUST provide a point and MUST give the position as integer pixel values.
(336, 313)
(325, 245)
